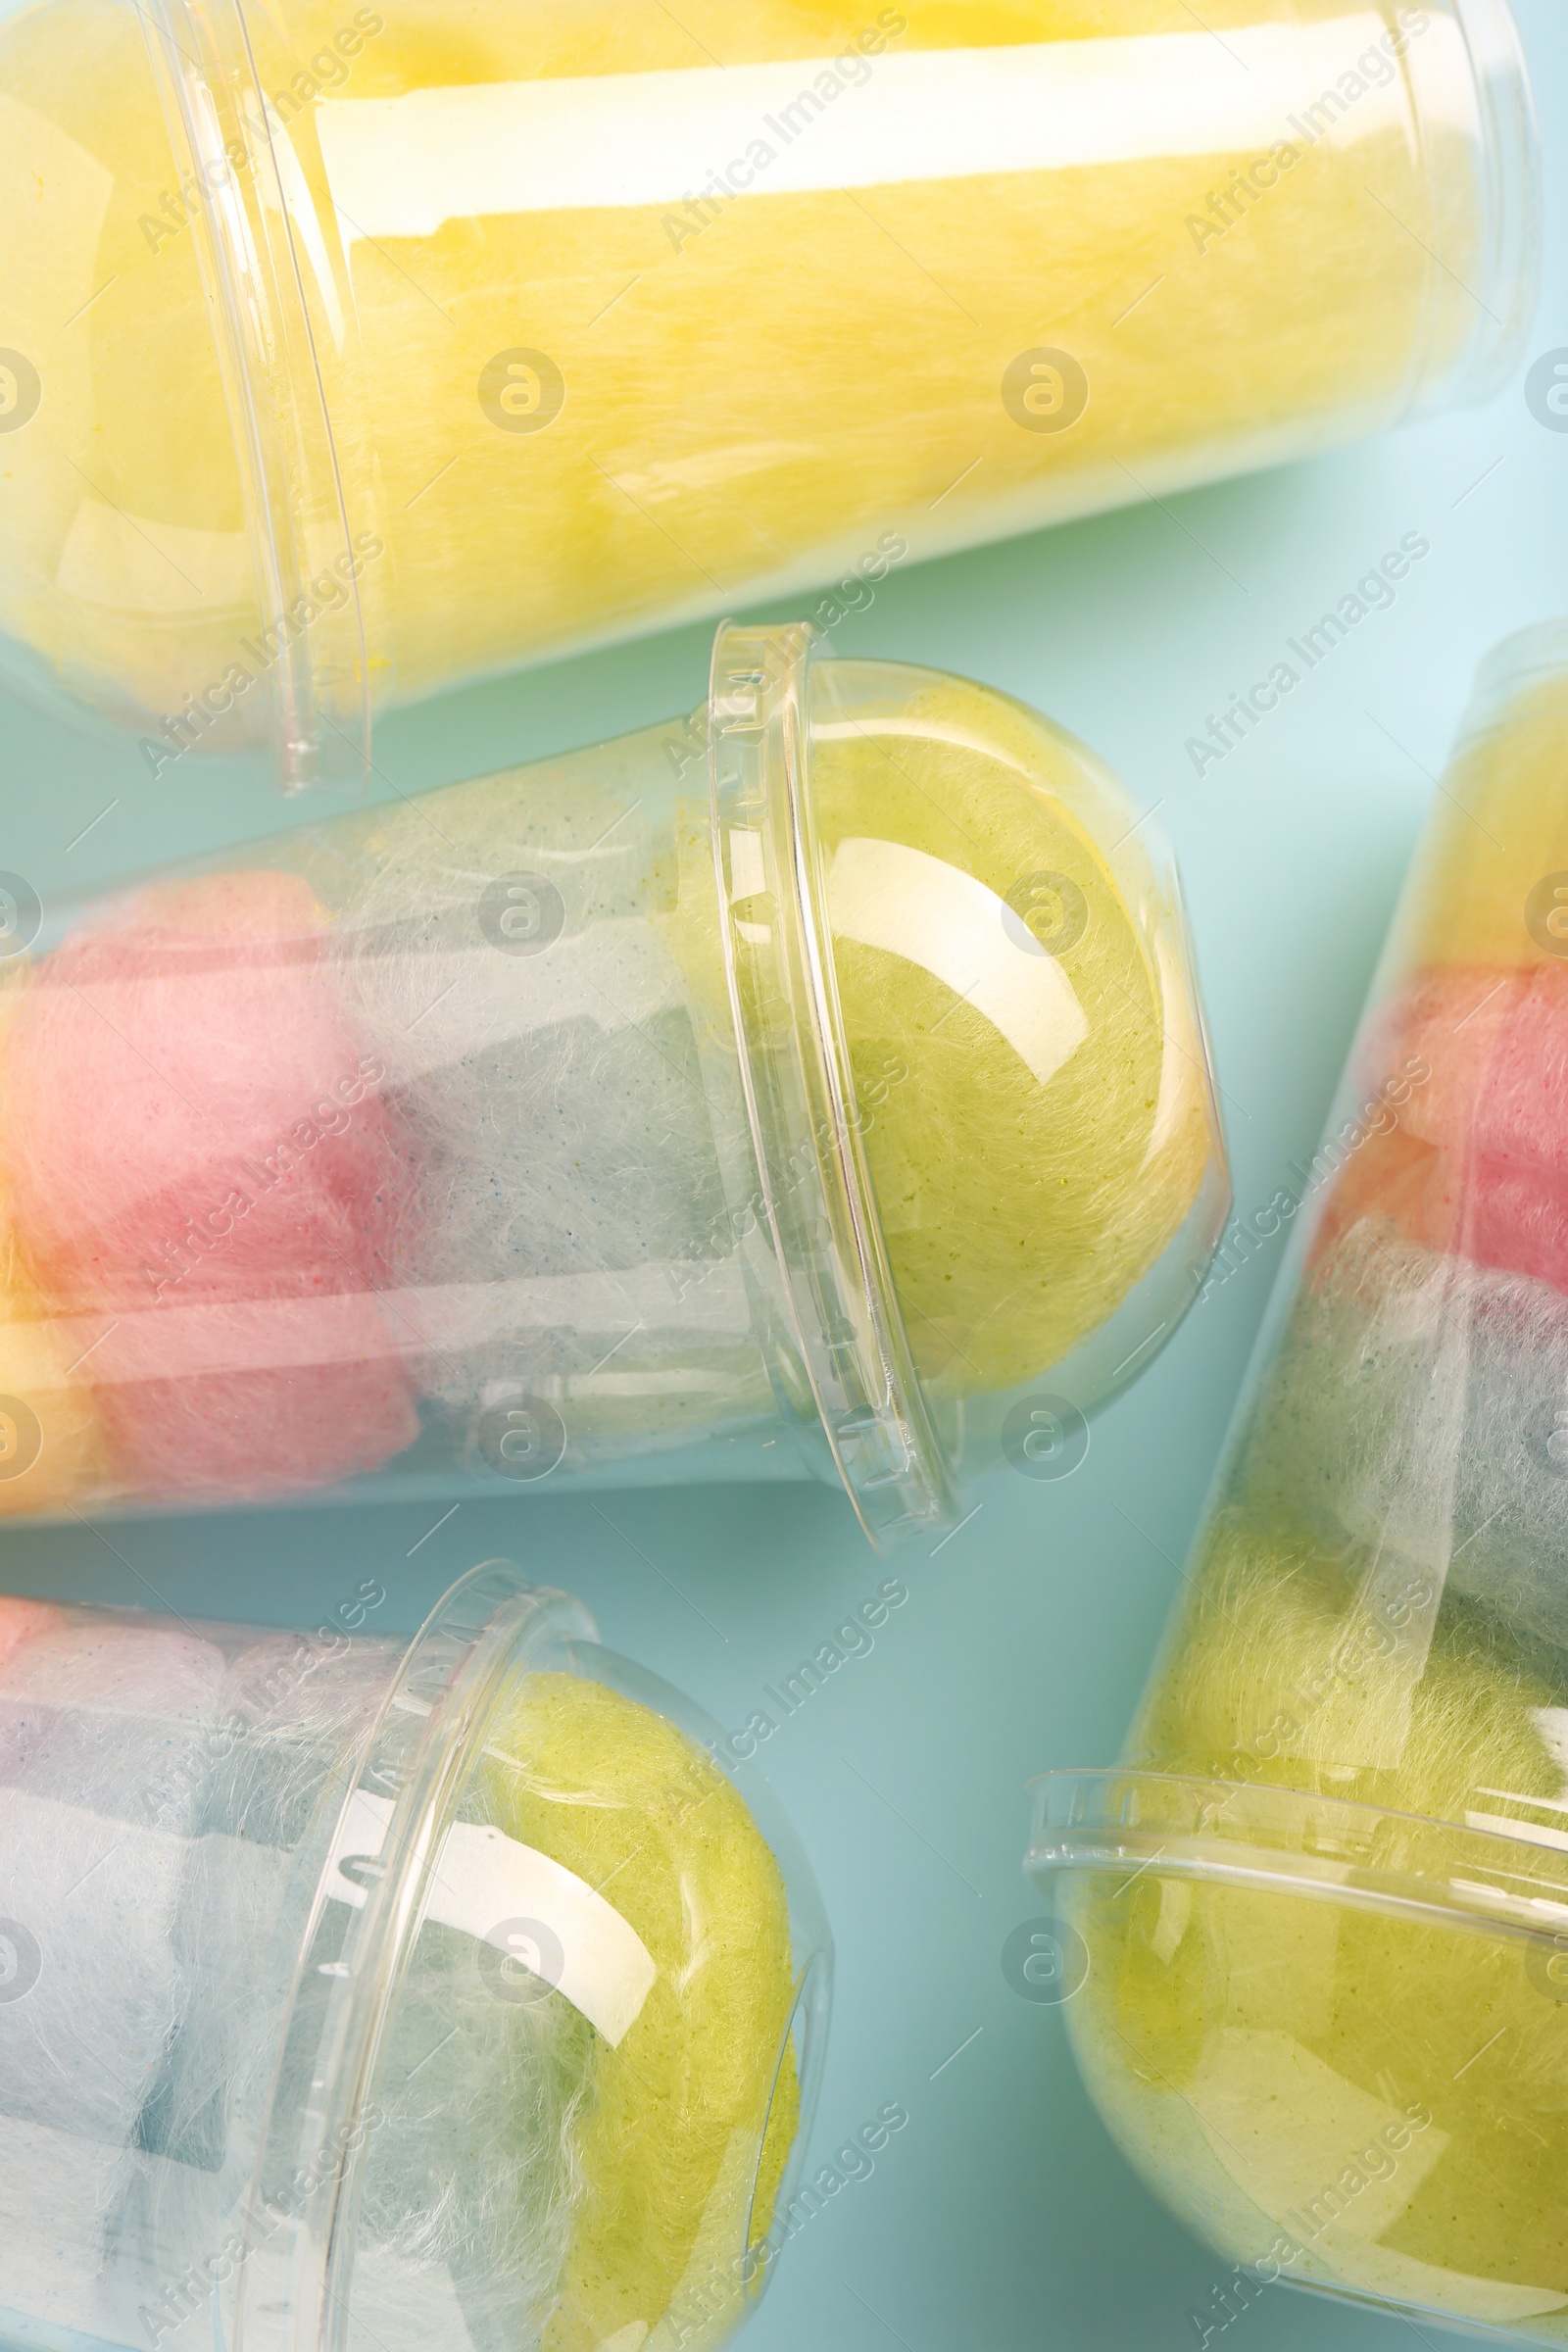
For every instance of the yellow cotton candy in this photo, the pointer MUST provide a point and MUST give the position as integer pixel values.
(126, 563)
(1372, 2103)
(558, 408)
(1373, 2100)
(51, 1451)
(684, 2141)
(1482, 886)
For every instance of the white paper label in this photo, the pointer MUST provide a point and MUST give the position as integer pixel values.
(520, 1903)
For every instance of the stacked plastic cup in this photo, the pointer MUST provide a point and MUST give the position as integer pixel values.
(1324, 1901)
(358, 1993)
(814, 1085)
(347, 352)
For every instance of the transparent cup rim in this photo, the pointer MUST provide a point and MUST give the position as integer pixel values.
(285, 445)
(446, 1684)
(1277, 1839)
(818, 1202)
(1508, 202)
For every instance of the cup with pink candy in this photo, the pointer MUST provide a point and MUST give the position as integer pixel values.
(543, 1128)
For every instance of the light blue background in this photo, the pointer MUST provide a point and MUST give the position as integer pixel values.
(1001, 2219)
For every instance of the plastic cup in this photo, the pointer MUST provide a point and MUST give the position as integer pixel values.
(813, 1085)
(351, 352)
(360, 1992)
(1324, 1901)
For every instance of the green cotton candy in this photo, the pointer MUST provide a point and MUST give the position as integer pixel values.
(1355, 2095)
(682, 2142)
(1019, 1209)
(1307, 1665)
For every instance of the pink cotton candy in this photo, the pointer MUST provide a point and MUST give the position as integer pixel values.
(1496, 1043)
(20, 1621)
(190, 1124)
(1479, 1163)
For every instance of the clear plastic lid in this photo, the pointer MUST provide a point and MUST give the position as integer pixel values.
(949, 916)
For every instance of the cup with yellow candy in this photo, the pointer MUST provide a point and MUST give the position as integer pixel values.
(347, 352)
(359, 1992)
(813, 1085)
(1323, 1903)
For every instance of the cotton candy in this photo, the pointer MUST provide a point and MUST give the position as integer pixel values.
(101, 1735)
(1420, 1405)
(1495, 838)
(1475, 1156)
(464, 2201)
(181, 1817)
(219, 1150)
(563, 1139)
(110, 1716)
(1325, 2014)
(1247, 2045)
(52, 1448)
(1496, 1043)
(563, 1202)
(1021, 1203)
(550, 1080)
(64, 2203)
(20, 1620)
(487, 2190)
(678, 2122)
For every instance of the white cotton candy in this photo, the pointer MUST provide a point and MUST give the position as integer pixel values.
(291, 1709)
(1420, 1407)
(89, 1905)
(111, 1717)
(102, 1732)
(68, 2252)
(562, 1158)
(472, 2170)
(166, 1817)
